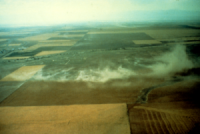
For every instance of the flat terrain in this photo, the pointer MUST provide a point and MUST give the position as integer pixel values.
(100, 79)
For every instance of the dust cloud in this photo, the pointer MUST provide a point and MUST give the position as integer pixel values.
(58, 76)
(164, 66)
(105, 74)
(169, 63)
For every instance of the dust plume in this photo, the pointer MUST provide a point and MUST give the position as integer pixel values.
(105, 74)
(58, 76)
(163, 66)
(171, 62)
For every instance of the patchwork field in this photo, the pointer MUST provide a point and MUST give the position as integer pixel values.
(49, 44)
(100, 79)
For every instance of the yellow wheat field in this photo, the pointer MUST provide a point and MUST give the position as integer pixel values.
(23, 73)
(49, 53)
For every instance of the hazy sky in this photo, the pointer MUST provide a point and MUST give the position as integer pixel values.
(47, 12)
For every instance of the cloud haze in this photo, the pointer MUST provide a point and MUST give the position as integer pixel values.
(47, 12)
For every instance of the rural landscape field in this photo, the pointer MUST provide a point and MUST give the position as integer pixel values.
(104, 78)
(99, 66)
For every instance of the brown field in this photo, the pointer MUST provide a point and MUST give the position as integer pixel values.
(71, 92)
(158, 121)
(188, 112)
(170, 109)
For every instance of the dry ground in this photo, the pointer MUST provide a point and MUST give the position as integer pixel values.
(101, 80)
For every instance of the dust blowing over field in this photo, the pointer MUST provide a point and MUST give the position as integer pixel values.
(164, 67)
